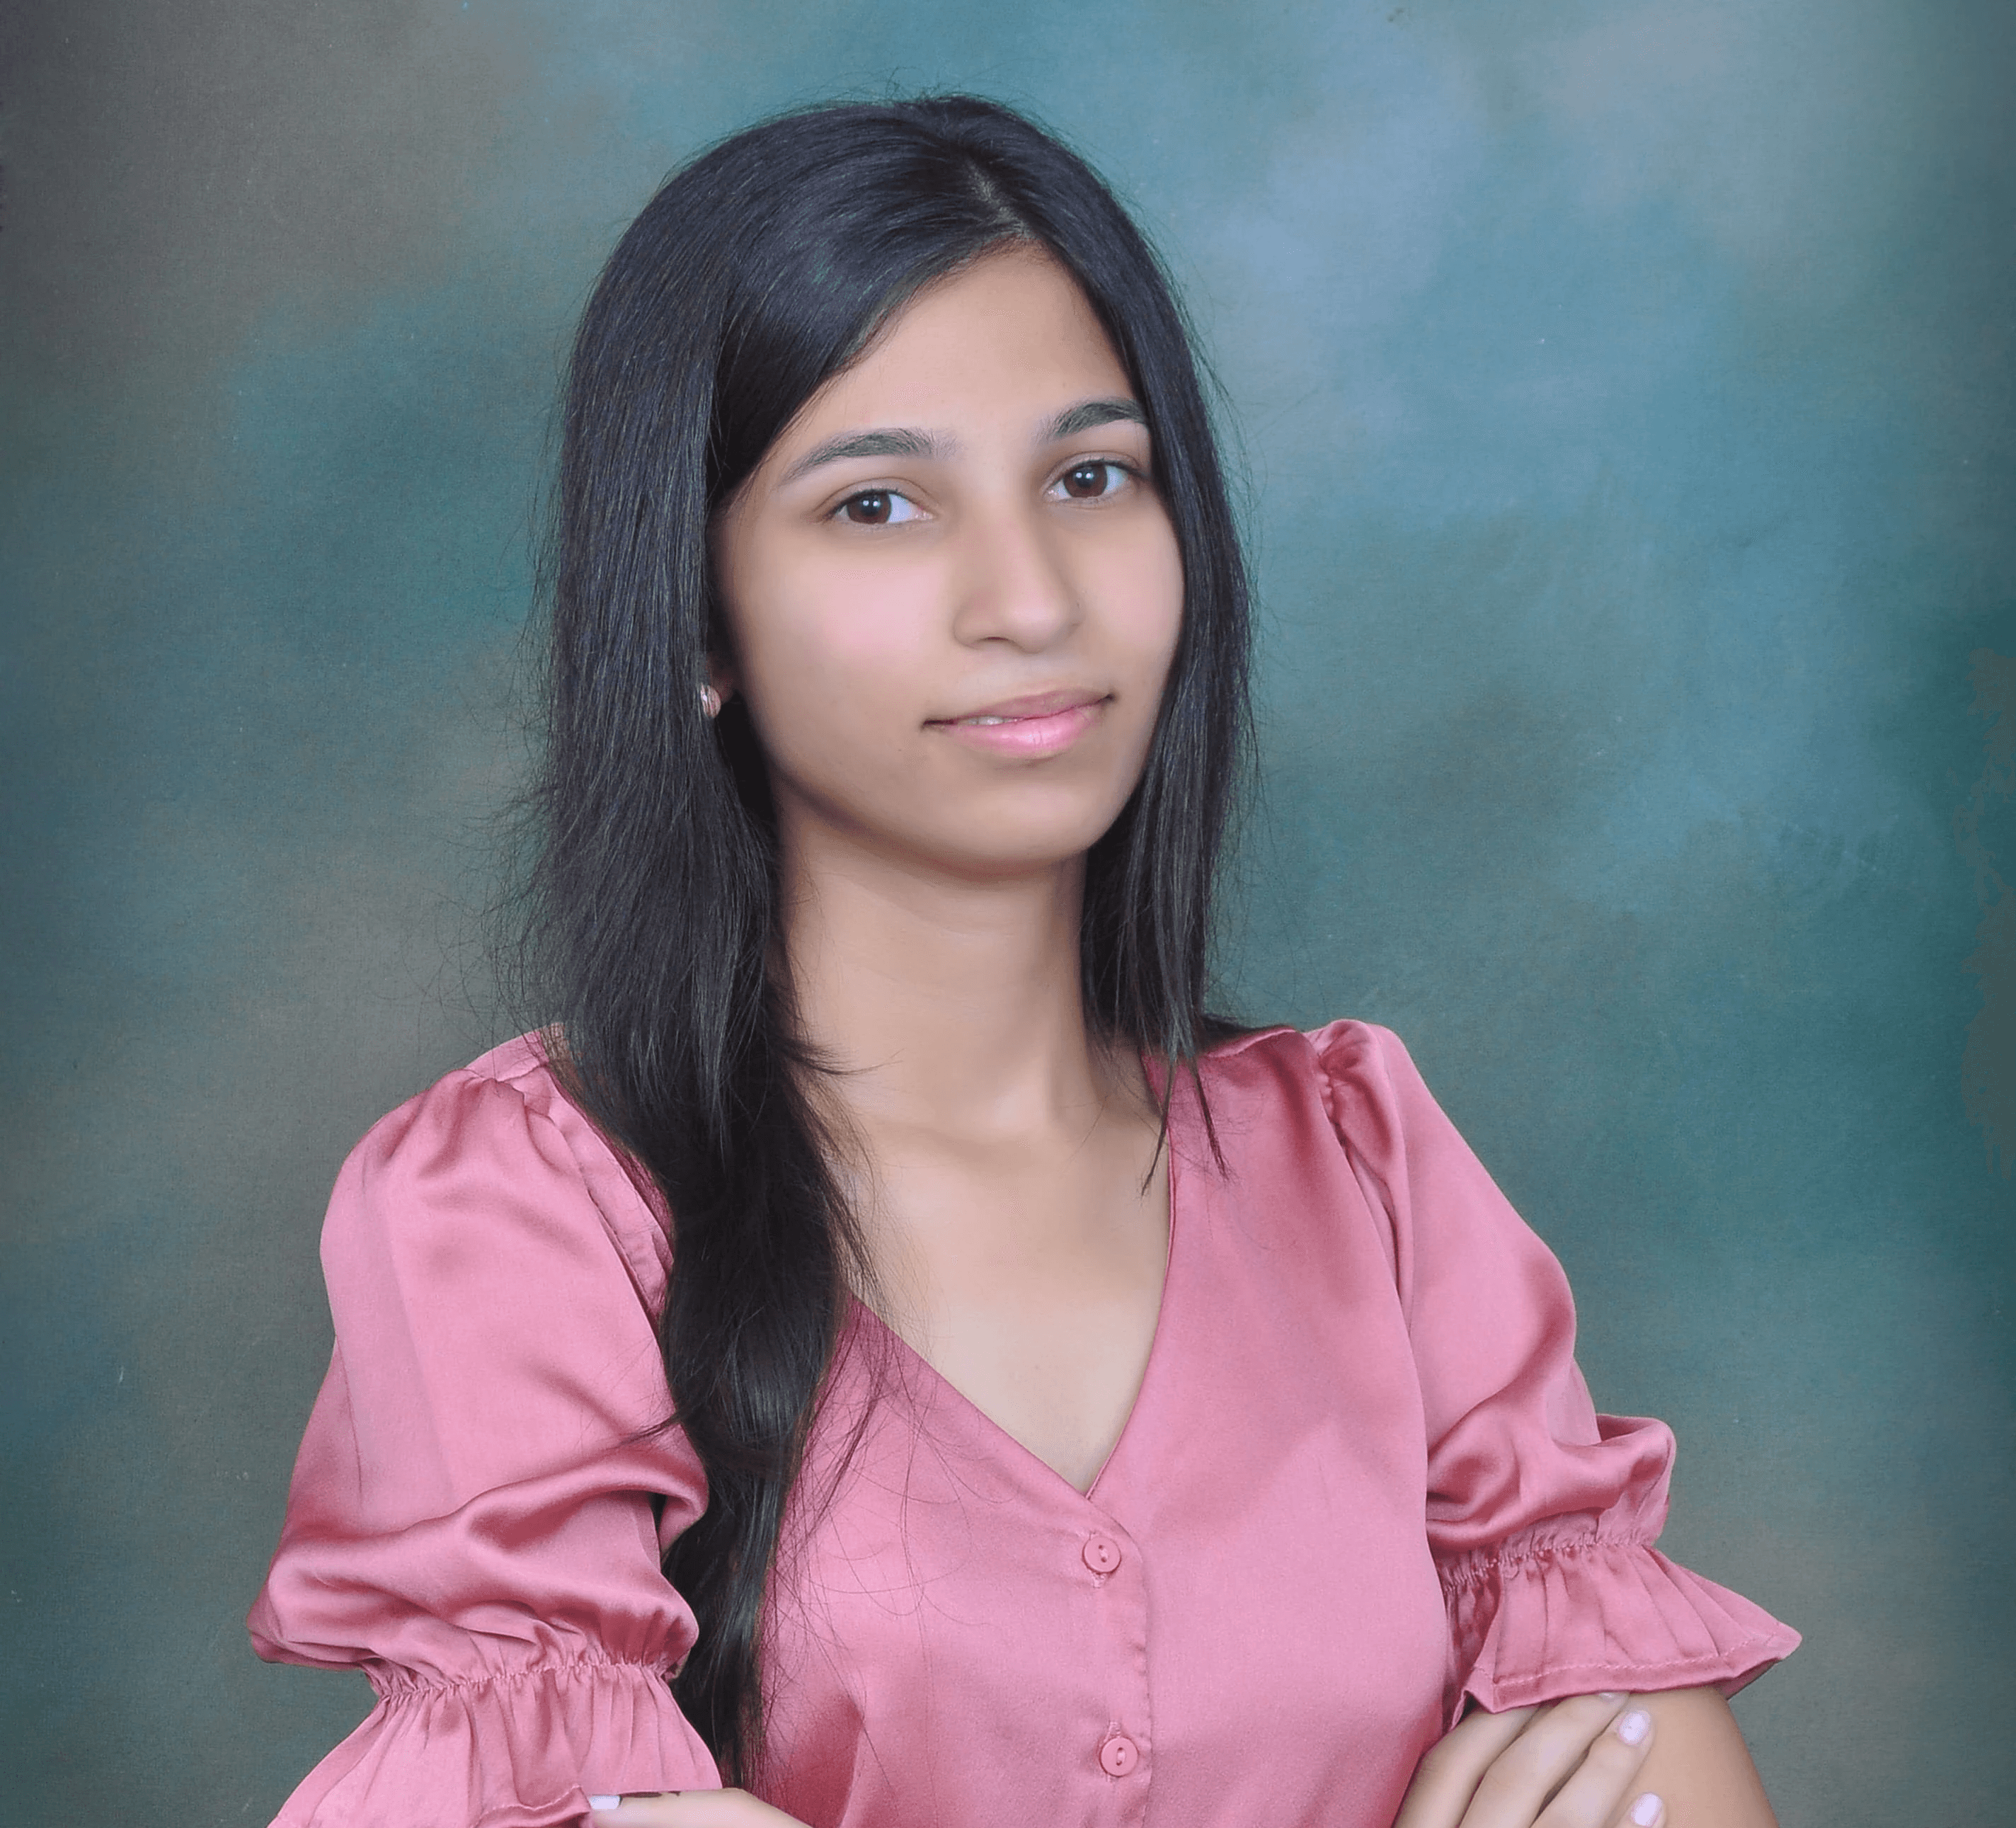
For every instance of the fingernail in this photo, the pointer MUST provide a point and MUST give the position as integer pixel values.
(1633, 1728)
(1647, 1810)
(604, 1802)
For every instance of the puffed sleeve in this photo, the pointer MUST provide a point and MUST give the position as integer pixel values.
(476, 1516)
(1541, 1514)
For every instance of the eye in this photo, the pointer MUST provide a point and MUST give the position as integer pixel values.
(1093, 480)
(877, 507)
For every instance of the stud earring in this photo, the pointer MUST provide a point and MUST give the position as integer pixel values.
(710, 700)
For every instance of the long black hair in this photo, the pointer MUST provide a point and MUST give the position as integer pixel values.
(752, 276)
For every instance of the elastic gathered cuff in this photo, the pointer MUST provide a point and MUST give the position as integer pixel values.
(1530, 1623)
(524, 1749)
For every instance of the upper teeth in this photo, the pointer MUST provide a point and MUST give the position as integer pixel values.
(987, 721)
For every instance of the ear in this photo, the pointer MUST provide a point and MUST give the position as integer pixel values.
(720, 675)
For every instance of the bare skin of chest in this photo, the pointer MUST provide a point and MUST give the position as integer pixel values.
(1027, 1271)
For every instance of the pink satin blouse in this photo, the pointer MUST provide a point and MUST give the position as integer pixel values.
(1362, 1479)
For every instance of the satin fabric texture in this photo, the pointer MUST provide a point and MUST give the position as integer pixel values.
(1362, 1482)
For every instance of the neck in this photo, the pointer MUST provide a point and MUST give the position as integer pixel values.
(949, 1005)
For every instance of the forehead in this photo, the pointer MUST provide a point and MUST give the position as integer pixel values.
(1007, 341)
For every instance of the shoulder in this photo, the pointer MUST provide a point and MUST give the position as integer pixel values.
(1361, 1073)
(504, 1110)
(1336, 1046)
(1353, 1083)
(493, 1156)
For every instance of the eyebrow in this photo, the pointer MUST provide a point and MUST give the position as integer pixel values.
(903, 441)
(893, 441)
(1090, 413)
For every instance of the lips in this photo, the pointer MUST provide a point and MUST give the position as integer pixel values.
(1034, 726)
(1034, 705)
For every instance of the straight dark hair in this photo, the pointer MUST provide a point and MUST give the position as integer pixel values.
(754, 275)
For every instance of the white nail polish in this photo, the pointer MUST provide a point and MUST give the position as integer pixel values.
(1633, 1728)
(1645, 1811)
(604, 1802)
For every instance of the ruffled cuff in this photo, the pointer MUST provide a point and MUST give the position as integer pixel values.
(1531, 1620)
(520, 1751)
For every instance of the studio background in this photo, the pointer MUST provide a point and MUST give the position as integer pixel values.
(1626, 394)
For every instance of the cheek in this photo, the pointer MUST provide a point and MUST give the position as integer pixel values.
(830, 662)
(1141, 587)
(799, 631)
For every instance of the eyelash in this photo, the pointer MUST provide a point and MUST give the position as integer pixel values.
(1126, 470)
(1114, 464)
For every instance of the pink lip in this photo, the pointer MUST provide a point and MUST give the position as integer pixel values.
(1043, 723)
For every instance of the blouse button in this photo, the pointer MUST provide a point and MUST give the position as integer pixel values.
(1102, 1554)
(1118, 1756)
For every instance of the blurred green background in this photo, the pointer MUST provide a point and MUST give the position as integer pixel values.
(1626, 394)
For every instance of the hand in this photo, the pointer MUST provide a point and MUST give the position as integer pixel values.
(1550, 1767)
(1569, 1765)
(690, 1808)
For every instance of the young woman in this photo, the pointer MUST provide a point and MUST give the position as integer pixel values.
(884, 1345)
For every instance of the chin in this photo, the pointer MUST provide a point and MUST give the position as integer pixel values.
(997, 849)
(1016, 829)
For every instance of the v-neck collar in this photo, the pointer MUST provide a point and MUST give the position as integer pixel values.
(1005, 1445)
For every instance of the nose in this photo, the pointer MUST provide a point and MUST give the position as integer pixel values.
(1013, 582)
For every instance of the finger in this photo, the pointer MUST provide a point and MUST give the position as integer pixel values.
(637, 1810)
(1595, 1793)
(688, 1809)
(1447, 1776)
(1525, 1776)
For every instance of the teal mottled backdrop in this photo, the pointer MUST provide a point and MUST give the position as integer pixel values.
(1625, 392)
